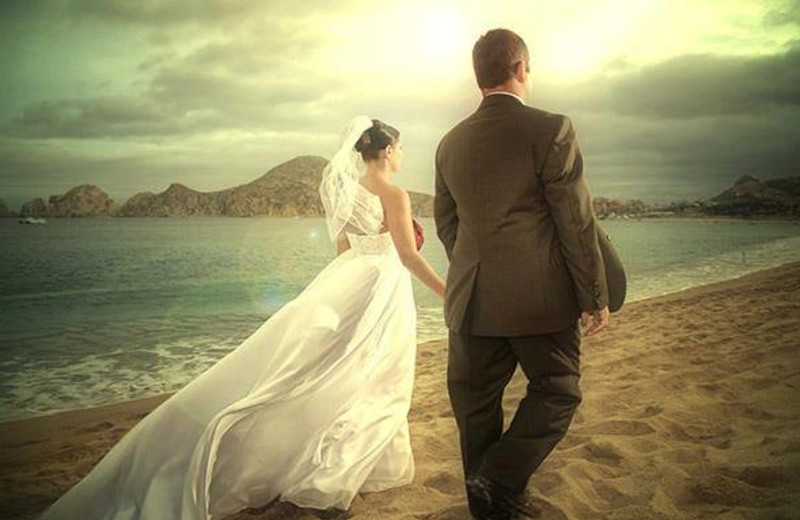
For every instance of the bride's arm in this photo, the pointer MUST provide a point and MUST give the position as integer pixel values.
(397, 204)
(342, 244)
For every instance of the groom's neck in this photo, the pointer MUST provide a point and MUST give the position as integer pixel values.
(505, 93)
(518, 91)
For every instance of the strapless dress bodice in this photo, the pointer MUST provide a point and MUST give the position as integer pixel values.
(373, 244)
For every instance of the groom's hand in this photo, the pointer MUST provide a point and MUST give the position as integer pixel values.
(599, 320)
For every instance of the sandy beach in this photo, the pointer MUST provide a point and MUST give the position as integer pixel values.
(691, 411)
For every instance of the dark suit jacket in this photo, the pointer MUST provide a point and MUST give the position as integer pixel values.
(514, 212)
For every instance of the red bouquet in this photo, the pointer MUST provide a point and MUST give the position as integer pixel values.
(419, 235)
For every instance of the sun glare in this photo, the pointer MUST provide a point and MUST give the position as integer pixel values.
(445, 32)
(417, 46)
(436, 44)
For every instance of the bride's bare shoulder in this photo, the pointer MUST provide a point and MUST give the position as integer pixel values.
(394, 197)
(391, 195)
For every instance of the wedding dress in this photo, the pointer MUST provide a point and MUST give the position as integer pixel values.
(311, 408)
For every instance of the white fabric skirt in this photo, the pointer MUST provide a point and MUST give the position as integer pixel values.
(311, 408)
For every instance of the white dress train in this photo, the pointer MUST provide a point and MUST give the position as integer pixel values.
(311, 408)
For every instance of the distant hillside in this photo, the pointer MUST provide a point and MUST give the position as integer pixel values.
(421, 204)
(751, 196)
(748, 188)
(788, 185)
(5, 211)
(292, 189)
(84, 200)
(748, 197)
(289, 189)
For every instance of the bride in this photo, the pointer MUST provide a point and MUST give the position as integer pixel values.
(312, 407)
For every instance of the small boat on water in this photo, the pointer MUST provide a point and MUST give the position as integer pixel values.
(32, 220)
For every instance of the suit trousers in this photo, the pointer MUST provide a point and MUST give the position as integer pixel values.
(478, 370)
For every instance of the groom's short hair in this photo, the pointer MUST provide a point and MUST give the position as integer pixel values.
(494, 56)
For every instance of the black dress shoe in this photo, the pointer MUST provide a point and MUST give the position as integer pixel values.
(501, 503)
(484, 504)
(478, 501)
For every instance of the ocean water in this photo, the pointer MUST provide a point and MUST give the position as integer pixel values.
(98, 310)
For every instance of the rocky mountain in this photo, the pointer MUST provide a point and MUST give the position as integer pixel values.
(751, 196)
(85, 200)
(788, 185)
(289, 189)
(749, 188)
(5, 211)
(421, 204)
(34, 208)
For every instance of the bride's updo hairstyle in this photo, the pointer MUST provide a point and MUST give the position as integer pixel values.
(376, 138)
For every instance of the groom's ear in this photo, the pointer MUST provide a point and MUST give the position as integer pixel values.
(521, 70)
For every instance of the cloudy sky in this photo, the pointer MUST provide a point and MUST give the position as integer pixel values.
(670, 99)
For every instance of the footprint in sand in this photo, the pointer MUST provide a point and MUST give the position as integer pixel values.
(549, 511)
(712, 434)
(763, 476)
(639, 512)
(442, 449)
(458, 512)
(753, 412)
(548, 482)
(26, 443)
(99, 427)
(573, 439)
(651, 411)
(48, 472)
(596, 452)
(690, 455)
(718, 490)
(619, 427)
(446, 483)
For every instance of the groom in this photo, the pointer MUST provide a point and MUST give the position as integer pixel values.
(513, 210)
